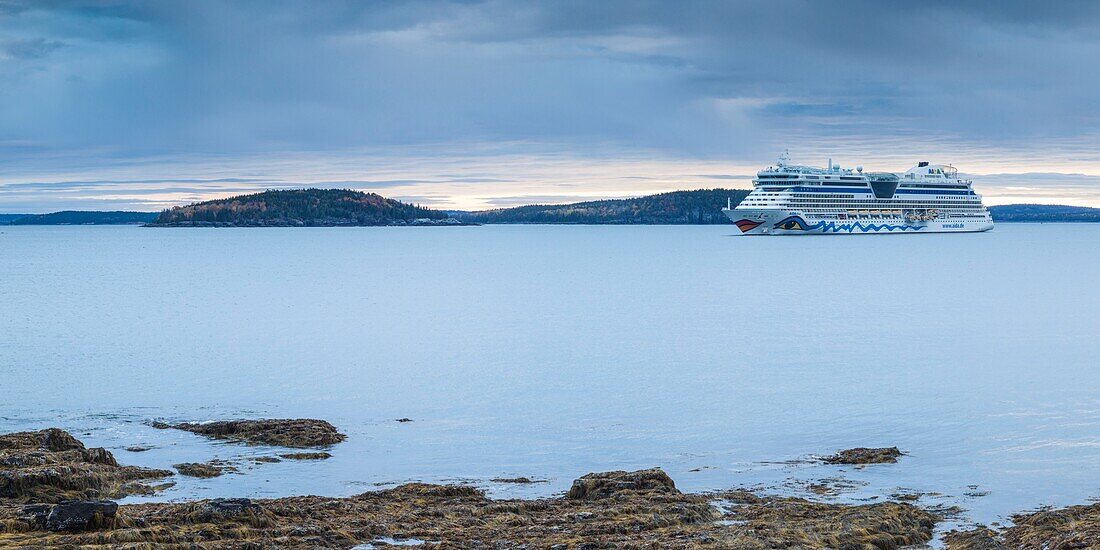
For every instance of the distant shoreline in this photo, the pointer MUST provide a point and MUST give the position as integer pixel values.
(702, 207)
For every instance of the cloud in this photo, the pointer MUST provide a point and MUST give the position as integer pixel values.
(998, 87)
(28, 49)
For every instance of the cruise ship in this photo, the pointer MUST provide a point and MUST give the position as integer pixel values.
(790, 199)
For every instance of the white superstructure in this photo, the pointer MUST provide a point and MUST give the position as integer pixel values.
(793, 199)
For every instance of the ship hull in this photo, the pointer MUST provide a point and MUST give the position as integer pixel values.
(788, 222)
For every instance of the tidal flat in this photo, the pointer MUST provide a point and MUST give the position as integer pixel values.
(56, 492)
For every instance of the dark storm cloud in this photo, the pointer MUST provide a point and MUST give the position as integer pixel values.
(729, 80)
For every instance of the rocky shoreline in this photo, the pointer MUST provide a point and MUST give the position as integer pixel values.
(296, 433)
(55, 492)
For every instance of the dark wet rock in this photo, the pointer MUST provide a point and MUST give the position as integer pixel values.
(306, 456)
(35, 514)
(519, 480)
(225, 508)
(138, 448)
(99, 455)
(404, 420)
(51, 466)
(267, 459)
(214, 468)
(865, 455)
(50, 439)
(295, 433)
(80, 515)
(608, 484)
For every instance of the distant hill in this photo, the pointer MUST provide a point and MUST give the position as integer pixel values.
(301, 208)
(678, 207)
(321, 207)
(1043, 213)
(82, 217)
(6, 219)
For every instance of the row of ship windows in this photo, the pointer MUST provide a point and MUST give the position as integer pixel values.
(796, 176)
(890, 204)
(854, 210)
(832, 196)
(805, 198)
(894, 216)
(863, 204)
(828, 207)
(862, 183)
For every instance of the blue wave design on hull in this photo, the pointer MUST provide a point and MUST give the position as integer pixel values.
(796, 223)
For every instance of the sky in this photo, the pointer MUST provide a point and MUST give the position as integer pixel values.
(482, 104)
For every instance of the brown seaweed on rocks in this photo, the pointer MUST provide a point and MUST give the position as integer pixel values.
(51, 466)
(639, 509)
(306, 456)
(295, 433)
(214, 468)
(522, 480)
(1054, 529)
(865, 455)
(785, 522)
(608, 484)
(55, 493)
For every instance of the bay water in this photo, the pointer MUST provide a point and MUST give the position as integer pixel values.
(553, 351)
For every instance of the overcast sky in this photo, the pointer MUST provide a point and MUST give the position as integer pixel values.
(118, 105)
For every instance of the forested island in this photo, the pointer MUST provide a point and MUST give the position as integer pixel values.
(340, 207)
(1044, 213)
(705, 206)
(701, 207)
(302, 208)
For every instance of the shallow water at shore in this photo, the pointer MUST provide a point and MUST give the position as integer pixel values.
(551, 351)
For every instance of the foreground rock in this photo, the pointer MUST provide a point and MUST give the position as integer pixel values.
(51, 466)
(1070, 527)
(80, 515)
(306, 456)
(522, 480)
(295, 433)
(608, 484)
(608, 510)
(214, 468)
(865, 455)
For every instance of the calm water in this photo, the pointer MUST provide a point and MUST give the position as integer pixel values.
(552, 351)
